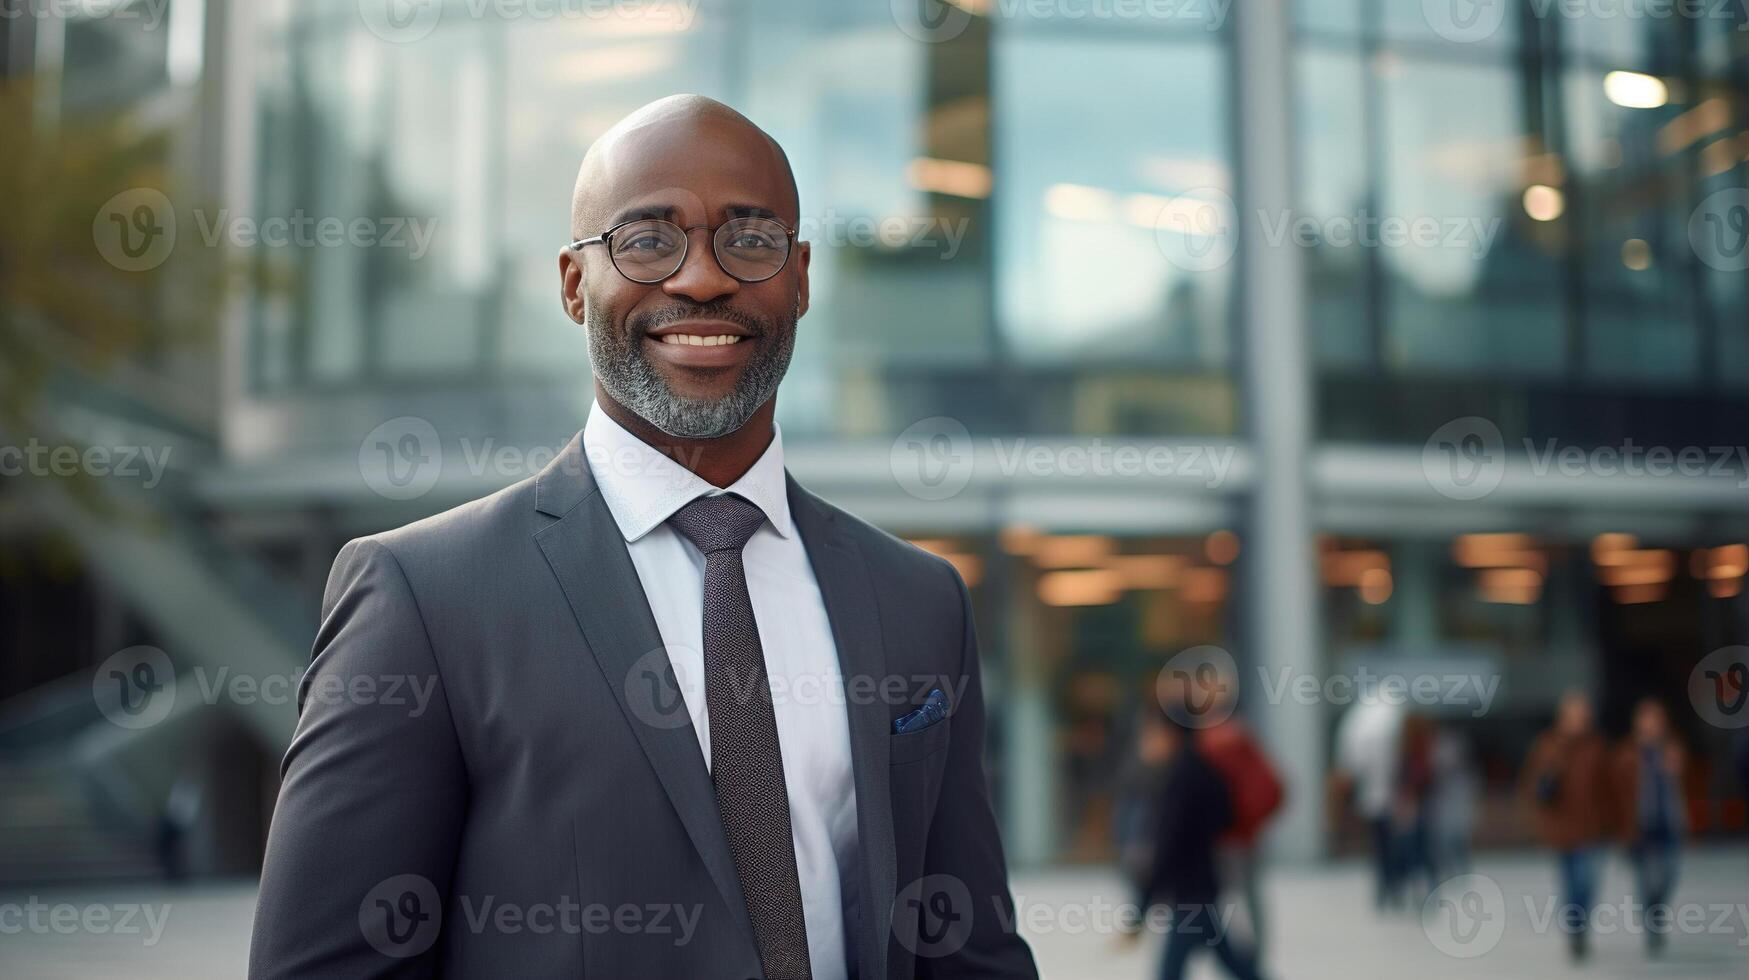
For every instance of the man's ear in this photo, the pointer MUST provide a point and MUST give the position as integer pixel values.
(803, 254)
(571, 283)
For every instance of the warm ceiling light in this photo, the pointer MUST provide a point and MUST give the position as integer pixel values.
(1728, 562)
(1498, 551)
(1725, 588)
(1020, 539)
(1147, 571)
(1636, 254)
(955, 177)
(1375, 586)
(1510, 578)
(1640, 568)
(1634, 595)
(1634, 90)
(1544, 203)
(1072, 551)
(1090, 587)
(1222, 547)
(1606, 546)
(1204, 585)
(1347, 567)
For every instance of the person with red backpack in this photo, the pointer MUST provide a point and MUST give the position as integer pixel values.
(1256, 793)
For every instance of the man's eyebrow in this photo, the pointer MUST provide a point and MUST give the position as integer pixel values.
(749, 211)
(645, 212)
(666, 212)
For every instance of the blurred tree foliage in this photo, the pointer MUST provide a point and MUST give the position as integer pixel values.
(63, 307)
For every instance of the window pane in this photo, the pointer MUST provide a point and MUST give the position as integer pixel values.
(1488, 298)
(1333, 184)
(1632, 223)
(1095, 140)
(576, 77)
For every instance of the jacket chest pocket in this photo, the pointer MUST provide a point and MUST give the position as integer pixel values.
(913, 746)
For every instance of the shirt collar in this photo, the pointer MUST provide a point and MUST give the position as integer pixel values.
(643, 488)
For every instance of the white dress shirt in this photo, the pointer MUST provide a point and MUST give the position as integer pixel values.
(643, 488)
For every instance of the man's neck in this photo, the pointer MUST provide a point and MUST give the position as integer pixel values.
(720, 461)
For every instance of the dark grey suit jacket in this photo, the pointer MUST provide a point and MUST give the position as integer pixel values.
(493, 776)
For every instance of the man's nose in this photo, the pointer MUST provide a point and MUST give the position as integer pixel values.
(700, 277)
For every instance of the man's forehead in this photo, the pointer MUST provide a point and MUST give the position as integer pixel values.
(693, 165)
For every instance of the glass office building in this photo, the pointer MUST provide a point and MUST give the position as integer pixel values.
(1269, 255)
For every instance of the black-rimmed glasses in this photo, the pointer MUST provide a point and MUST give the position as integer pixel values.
(649, 250)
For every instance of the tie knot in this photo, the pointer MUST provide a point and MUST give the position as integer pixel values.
(721, 523)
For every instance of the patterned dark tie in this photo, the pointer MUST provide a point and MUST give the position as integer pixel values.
(746, 763)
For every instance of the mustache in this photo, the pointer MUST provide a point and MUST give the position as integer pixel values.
(642, 323)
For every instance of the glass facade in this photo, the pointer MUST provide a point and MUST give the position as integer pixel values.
(1031, 303)
(988, 210)
(1563, 159)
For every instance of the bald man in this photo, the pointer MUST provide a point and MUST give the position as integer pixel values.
(681, 718)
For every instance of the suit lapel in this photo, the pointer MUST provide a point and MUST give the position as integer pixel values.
(588, 555)
(856, 630)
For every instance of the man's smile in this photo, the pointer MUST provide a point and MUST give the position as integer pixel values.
(700, 343)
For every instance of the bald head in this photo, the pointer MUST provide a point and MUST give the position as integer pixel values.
(697, 350)
(671, 133)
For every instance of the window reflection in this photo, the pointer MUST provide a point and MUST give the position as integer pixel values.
(1096, 140)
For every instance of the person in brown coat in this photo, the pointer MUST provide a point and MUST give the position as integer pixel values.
(1647, 769)
(1566, 782)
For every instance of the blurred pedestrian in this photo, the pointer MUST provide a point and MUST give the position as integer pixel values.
(1256, 793)
(1648, 784)
(1452, 809)
(1743, 758)
(1566, 781)
(1194, 810)
(1367, 762)
(1411, 802)
(1136, 795)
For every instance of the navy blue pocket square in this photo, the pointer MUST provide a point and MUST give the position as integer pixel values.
(935, 708)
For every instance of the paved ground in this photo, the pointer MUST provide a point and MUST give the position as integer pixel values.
(1483, 927)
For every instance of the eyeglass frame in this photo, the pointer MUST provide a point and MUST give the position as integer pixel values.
(606, 239)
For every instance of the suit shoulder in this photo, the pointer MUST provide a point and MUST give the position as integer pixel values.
(479, 525)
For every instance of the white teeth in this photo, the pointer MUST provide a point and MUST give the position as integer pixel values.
(697, 340)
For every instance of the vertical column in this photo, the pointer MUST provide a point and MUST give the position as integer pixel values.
(1415, 595)
(1282, 621)
(1030, 765)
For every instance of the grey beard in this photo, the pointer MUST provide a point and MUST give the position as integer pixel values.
(631, 380)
